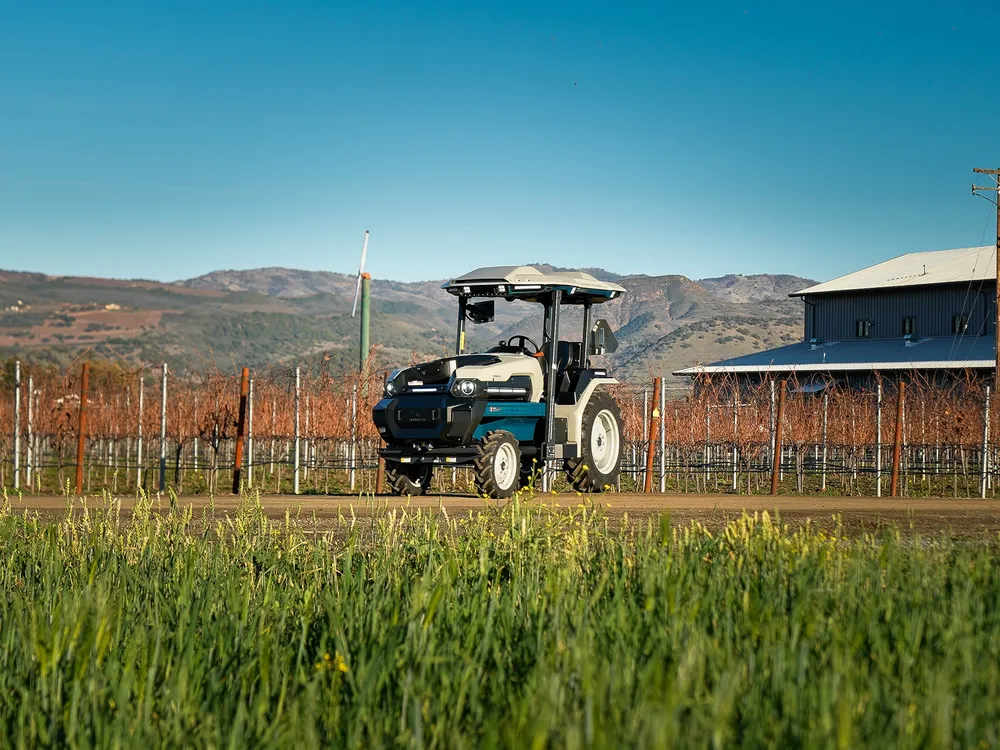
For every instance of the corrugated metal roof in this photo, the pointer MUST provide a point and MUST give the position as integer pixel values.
(913, 269)
(946, 352)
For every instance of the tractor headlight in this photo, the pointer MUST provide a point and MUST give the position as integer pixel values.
(391, 387)
(465, 388)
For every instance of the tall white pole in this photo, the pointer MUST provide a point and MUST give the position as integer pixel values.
(163, 430)
(295, 477)
(826, 403)
(31, 433)
(195, 441)
(17, 424)
(878, 442)
(663, 437)
(250, 436)
(138, 443)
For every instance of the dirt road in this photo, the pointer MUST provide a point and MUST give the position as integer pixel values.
(963, 518)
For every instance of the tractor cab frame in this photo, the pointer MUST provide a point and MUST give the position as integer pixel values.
(561, 360)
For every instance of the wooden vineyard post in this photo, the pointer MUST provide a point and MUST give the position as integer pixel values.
(776, 452)
(241, 429)
(81, 438)
(380, 476)
(897, 446)
(650, 442)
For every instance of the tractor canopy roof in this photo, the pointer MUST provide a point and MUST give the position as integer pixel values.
(528, 283)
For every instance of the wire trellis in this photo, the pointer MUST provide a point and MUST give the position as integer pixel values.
(718, 437)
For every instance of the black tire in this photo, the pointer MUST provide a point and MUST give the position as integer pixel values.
(584, 473)
(498, 465)
(408, 479)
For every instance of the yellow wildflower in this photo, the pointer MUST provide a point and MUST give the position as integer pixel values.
(341, 664)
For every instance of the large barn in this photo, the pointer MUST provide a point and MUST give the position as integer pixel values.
(927, 314)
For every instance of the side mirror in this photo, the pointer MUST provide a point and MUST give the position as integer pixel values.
(602, 339)
(480, 312)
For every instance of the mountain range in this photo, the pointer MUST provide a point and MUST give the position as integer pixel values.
(283, 317)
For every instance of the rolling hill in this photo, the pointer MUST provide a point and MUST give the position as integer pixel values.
(280, 317)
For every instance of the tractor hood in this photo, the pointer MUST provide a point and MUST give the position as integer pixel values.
(441, 371)
(486, 368)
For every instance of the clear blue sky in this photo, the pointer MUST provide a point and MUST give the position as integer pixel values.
(167, 140)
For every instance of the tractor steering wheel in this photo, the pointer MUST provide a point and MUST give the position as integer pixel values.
(522, 339)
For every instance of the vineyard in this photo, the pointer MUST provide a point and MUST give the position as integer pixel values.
(310, 432)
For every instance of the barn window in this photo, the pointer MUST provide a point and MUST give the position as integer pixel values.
(864, 329)
(909, 326)
(959, 323)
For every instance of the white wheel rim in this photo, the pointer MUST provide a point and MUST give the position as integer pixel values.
(604, 441)
(505, 466)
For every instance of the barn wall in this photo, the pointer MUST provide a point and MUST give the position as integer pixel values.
(836, 315)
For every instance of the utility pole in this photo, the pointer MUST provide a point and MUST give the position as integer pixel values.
(366, 296)
(995, 174)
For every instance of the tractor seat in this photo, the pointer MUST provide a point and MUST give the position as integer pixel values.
(567, 368)
(567, 354)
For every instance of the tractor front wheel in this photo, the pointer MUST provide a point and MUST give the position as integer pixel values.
(596, 470)
(498, 465)
(408, 479)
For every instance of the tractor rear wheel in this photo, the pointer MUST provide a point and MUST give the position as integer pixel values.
(498, 465)
(596, 470)
(408, 479)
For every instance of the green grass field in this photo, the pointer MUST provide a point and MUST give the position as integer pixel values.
(516, 627)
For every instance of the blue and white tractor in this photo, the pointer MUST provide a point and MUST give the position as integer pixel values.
(517, 405)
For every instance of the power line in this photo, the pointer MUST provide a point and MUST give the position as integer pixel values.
(957, 336)
(976, 190)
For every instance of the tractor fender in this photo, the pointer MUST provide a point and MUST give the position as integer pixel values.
(573, 413)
